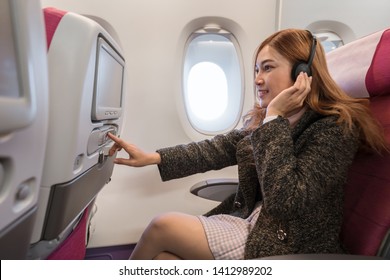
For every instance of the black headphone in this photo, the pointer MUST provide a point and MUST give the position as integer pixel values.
(302, 66)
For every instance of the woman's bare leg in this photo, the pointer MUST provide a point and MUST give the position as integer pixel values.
(175, 234)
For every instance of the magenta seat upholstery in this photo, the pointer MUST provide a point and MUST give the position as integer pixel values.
(52, 20)
(362, 69)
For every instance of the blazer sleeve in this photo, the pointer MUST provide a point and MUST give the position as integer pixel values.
(198, 157)
(295, 176)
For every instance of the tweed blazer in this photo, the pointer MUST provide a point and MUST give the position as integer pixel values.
(297, 173)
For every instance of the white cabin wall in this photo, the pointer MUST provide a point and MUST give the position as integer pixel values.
(152, 35)
(351, 19)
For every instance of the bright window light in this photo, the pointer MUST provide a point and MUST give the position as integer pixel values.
(207, 91)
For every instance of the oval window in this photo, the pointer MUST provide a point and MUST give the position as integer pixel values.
(329, 40)
(212, 82)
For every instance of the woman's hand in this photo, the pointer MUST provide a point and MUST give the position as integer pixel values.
(291, 100)
(137, 158)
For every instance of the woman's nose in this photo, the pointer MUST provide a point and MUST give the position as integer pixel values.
(258, 79)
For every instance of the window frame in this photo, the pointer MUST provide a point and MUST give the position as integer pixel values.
(231, 38)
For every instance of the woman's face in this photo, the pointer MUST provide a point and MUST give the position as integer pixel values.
(272, 75)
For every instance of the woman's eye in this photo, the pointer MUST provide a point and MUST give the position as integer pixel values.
(267, 68)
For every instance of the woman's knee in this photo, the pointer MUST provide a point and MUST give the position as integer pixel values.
(161, 225)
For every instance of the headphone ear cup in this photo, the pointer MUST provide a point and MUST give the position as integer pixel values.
(298, 68)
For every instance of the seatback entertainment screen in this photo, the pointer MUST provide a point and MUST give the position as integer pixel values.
(108, 87)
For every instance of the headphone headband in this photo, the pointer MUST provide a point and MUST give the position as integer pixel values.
(303, 66)
(313, 49)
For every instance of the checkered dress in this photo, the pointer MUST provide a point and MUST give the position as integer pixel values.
(227, 234)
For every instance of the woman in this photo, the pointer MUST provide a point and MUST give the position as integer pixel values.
(293, 154)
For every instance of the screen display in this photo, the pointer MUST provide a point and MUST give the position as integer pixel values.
(108, 83)
(20, 56)
(9, 82)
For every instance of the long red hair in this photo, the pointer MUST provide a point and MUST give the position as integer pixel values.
(326, 97)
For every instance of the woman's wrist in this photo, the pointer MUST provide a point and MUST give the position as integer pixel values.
(271, 112)
(155, 158)
(269, 118)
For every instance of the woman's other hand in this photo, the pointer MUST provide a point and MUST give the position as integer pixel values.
(291, 100)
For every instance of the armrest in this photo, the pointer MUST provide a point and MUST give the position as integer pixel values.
(322, 257)
(384, 249)
(215, 189)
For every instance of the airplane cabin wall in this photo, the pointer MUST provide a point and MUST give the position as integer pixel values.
(153, 36)
(350, 19)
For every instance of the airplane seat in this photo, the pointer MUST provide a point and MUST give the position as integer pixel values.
(86, 93)
(23, 122)
(362, 69)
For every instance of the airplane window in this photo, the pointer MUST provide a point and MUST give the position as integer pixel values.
(212, 84)
(329, 40)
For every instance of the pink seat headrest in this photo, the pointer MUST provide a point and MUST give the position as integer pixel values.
(362, 68)
(52, 18)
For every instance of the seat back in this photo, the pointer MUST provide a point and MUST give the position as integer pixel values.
(86, 91)
(362, 69)
(23, 121)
